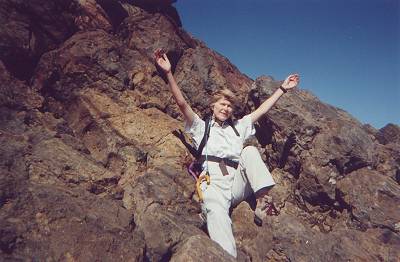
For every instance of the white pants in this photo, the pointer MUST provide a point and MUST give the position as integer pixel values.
(224, 191)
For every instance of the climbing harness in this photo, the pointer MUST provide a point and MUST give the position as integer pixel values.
(195, 168)
(204, 176)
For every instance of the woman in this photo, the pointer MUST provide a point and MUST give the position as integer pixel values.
(235, 172)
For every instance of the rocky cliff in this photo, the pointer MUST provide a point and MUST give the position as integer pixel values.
(92, 156)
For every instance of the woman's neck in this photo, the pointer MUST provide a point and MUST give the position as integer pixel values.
(219, 122)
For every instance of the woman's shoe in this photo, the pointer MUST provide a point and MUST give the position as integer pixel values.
(265, 207)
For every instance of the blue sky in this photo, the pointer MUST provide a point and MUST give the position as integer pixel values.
(347, 52)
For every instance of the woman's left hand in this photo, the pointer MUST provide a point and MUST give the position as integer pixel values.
(291, 81)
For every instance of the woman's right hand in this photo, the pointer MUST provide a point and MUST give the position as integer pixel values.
(162, 61)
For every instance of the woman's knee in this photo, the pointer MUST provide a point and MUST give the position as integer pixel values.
(215, 210)
(250, 151)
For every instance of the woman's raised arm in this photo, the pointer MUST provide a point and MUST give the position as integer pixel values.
(290, 82)
(163, 62)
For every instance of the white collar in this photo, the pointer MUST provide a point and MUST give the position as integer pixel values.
(215, 123)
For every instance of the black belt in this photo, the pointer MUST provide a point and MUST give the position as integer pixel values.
(223, 162)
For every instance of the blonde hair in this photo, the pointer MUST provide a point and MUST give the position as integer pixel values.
(226, 94)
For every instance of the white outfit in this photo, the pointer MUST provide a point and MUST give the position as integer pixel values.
(224, 191)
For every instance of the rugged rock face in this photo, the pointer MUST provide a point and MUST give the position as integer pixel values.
(92, 159)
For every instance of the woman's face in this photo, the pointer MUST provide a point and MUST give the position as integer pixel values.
(222, 109)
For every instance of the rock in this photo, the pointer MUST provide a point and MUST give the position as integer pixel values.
(22, 44)
(16, 94)
(202, 71)
(51, 159)
(93, 16)
(158, 202)
(92, 57)
(189, 250)
(152, 32)
(114, 10)
(389, 134)
(59, 223)
(326, 142)
(340, 245)
(93, 159)
(160, 6)
(378, 206)
(254, 242)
